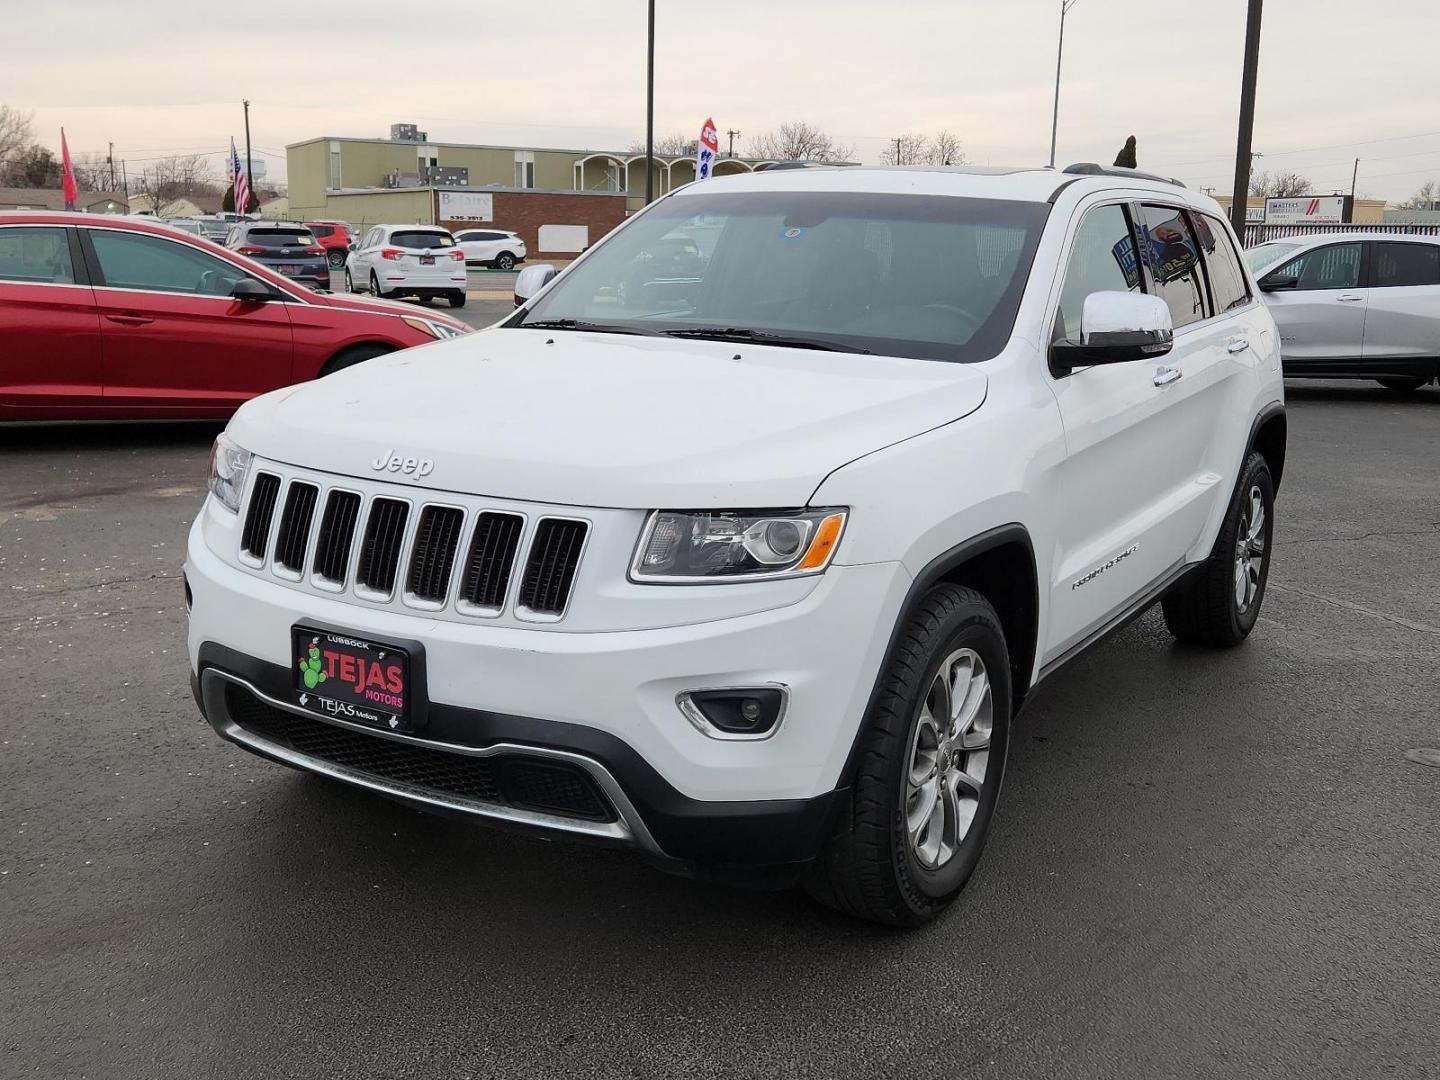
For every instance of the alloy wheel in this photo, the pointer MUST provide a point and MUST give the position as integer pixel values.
(1249, 550)
(949, 757)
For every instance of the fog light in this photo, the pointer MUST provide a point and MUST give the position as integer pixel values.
(735, 713)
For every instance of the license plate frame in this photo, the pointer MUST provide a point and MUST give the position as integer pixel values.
(362, 689)
(427, 260)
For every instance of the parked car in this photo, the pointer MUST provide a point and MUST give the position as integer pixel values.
(494, 248)
(334, 237)
(756, 579)
(188, 225)
(288, 249)
(408, 260)
(1355, 305)
(216, 228)
(112, 318)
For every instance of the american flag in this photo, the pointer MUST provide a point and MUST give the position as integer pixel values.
(239, 179)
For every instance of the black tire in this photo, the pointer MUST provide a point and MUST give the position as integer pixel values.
(356, 354)
(871, 867)
(375, 288)
(1206, 609)
(456, 298)
(335, 257)
(504, 261)
(349, 281)
(1403, 384)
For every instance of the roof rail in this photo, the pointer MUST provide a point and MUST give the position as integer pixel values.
(1089, 168)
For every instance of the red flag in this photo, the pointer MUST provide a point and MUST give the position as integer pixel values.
(67, 174)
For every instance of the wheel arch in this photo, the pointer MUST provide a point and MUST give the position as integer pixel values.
(331, 362)
(999, 564)
(1268, 435)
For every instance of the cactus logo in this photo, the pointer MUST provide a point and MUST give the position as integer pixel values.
(310, 671)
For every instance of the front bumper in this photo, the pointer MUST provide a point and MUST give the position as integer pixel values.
(603, 701)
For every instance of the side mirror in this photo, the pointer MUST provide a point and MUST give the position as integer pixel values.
(1279, 281)
(531, 280)
(1116, 328)
(250, 291)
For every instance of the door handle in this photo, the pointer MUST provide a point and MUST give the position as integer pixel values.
(1240, 344)
(130, 318)
(1350, 299)
(1166, 375)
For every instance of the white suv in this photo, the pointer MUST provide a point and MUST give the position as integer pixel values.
(752, 569)
(494, 248)
(408, 260)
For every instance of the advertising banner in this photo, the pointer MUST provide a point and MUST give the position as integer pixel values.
(708, 148)
(1306, 210)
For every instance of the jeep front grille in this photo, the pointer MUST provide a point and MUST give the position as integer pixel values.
(460, 559)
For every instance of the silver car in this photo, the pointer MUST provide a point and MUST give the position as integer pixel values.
(1355, 305)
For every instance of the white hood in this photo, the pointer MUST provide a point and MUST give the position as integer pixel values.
(608, 420)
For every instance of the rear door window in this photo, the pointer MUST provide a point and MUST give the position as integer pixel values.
(425, 240)
(1227, 280)
(37, 256)
(1172, 253)
(1394, 266)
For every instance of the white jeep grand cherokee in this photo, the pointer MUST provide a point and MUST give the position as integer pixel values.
(748, 558)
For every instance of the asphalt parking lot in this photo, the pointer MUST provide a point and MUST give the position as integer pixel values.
(1206, 864)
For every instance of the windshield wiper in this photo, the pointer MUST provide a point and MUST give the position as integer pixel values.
(581, 324)
(762, 337)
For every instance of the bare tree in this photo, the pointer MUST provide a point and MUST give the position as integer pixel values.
(673, 145)
(942, 148)
(946, 149)
(1279, 185)
(167, 179)
(92, 172)
(17, 133)
(1425, 198)
(799, 141)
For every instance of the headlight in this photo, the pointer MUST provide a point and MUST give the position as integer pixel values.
(229, 465)
(720, 546)
(434, 329)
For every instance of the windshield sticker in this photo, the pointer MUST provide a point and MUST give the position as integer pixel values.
(792, 233)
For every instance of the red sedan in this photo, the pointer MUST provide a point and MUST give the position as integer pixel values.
(113, 318)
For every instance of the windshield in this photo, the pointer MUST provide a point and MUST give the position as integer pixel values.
(1257, 258)
(923, 276)
(279, 238)
(422, 240)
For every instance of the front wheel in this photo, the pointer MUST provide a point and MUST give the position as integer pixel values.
(349, 281)
(1403, 384)
(1219, 605)
(932, 757)
(335, 258)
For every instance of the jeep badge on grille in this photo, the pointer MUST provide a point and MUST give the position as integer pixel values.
(390, 461)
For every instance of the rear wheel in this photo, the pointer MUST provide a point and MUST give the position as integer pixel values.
(1219, 606)
(932, 757)
(375, 287)
(1403, 384)
(456, 298)
(356, 354)
(504, 261)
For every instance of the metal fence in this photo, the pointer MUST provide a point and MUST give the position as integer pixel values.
(1258, 234)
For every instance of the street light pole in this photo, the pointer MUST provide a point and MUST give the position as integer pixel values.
(1065, 5)
(650, 110)
(1239, 199)
(249, 174)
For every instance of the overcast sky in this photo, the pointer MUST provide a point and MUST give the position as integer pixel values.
(1338, 80)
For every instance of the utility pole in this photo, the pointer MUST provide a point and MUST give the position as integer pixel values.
(650, 110)
(897, 151)
(1065, 6)
(249, 175)
(1240, 195)
(125, 182)
(732, 133)
(1354, 175)
(110, 160)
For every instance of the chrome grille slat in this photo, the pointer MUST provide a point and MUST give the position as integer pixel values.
(436, 540)
(256, 534)
(295, 522)
(491, 560)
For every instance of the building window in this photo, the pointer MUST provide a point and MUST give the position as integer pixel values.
(334, 168)
(524, 168)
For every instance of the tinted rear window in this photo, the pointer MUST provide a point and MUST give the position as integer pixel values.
(322, 230)
(422, 239)
(279, 238)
